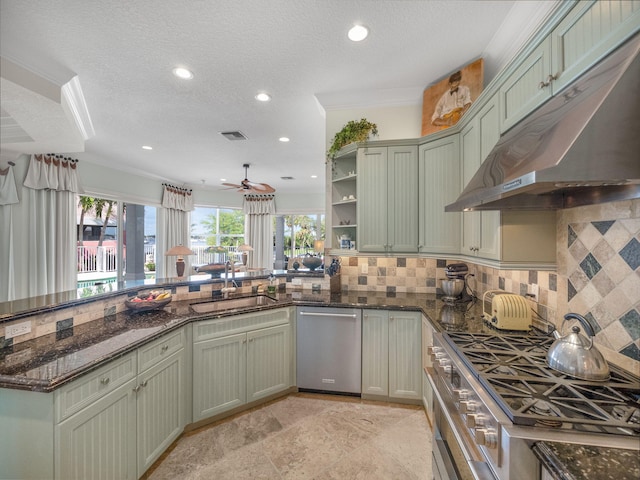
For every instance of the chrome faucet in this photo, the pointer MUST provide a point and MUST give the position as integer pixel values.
(227, 289)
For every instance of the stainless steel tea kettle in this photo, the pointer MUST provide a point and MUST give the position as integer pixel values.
(575, 354)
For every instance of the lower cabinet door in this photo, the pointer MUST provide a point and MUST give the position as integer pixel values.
(375, 352)
(160, 408)
(219, 375)
(99, 442)
(269, 361)
(405, 355)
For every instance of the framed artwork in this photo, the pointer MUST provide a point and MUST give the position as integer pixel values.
(444, 103)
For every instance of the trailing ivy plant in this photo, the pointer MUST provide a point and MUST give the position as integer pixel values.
(353, 131)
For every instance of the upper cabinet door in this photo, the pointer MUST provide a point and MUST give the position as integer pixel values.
(402, 215)
(527, 87)
(372, 199)
(439, 172)
(589, 32)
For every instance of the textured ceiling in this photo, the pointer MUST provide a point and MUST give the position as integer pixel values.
(122, 53)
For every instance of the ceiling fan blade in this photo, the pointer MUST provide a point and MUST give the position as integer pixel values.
(262, 188)
(232, 185)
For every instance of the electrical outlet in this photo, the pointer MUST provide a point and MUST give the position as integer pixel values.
(17, 329)
(296, 281)
(364, 269)
(534, 290)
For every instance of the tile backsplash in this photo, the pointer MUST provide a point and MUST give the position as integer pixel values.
(598, 276)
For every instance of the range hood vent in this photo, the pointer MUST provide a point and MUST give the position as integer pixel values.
(581, 147)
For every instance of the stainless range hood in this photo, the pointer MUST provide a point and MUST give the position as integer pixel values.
(581, 147)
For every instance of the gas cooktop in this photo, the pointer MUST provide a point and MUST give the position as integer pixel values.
(513, 369)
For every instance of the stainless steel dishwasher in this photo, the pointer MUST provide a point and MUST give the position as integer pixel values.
(329, 350)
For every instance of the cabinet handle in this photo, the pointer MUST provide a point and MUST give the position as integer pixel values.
(251, 339)
(105, 380)
(164, 348)
(244, 341)
(550, 79)
(136, 389)
(144, 384)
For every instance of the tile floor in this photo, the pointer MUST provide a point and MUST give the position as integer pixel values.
(305, 436)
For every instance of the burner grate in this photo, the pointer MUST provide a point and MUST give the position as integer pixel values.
(513, 369)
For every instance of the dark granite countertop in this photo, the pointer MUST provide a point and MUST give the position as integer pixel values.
(45, 363)
(567, 461)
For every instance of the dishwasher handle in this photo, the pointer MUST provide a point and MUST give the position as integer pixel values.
(333, 315)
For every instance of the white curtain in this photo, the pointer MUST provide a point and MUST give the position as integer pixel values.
(50, 205)
(174, 227)
(258, 229)
(8, 197)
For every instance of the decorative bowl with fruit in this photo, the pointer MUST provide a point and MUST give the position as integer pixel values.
(152, 300)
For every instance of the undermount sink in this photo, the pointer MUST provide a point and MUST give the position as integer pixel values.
(233, 303)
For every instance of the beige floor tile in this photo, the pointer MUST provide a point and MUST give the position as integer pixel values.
(247, 463)
(409, 443)
(367, 463)
(306, 436)
(303, 450)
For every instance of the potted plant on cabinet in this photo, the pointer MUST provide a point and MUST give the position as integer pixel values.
(353, 131)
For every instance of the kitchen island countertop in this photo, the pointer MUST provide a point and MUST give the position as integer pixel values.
(48, 362)
(45, 363)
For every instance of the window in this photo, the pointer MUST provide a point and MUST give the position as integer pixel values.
(106, 256)
(212, 226)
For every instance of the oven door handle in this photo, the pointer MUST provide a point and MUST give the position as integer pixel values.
(477, 463)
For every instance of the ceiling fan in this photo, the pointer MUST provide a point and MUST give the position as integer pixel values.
(246, 186)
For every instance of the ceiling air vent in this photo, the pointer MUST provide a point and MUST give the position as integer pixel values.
(286, 178)
(233, 135)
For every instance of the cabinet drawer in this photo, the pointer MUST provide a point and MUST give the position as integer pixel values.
(221, 327)
(77, 395)
(154, 352)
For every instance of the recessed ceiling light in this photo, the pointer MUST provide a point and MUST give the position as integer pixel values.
(284, 139)
(147, 147)
(223, 179)
(183, 73)
(263, 97)
(358, 33)
(314, 176)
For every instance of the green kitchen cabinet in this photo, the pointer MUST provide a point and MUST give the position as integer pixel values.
(391, 355)
(116, 422)
(162, 396)
(375, 353)
(240, 359)
(388, 199)
(476, 141)
(99, 442)
(439, 174)
(590, 31)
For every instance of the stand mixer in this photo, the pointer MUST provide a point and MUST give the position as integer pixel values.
(455, 286)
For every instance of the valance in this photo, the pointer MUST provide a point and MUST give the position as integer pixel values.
(53, 172)
(177, 198)
(259, 205)
(8, 191)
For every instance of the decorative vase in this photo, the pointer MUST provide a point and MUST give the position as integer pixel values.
(312, 262)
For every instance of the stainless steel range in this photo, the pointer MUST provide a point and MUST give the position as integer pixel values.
(494, 396)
